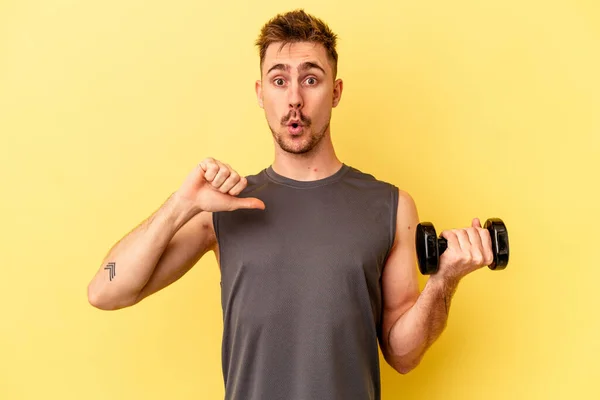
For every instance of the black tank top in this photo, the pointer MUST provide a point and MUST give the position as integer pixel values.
(301, 286)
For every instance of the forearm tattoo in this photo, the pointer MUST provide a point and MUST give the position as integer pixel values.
(112, 271)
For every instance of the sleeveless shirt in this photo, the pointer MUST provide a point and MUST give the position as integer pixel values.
(301, 290)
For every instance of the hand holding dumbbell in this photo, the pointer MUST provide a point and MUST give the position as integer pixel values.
(430, 247)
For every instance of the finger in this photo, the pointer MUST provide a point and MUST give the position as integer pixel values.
(204, 163)
(476, 223)
(222, 174)
(486, 241)
(463, 240)
(230, 182)
(451, 239)
(247, 203)
(200, 169)
(237, 189)
(210, 167)
(476, 245)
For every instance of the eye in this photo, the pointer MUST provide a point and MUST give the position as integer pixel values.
(311, 81)
(278, 82)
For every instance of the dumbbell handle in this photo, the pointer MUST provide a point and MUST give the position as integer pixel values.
(442, 245)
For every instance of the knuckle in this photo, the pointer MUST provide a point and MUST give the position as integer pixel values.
(467, 257)
(224, 171)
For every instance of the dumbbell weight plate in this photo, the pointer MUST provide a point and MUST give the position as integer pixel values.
(427, 249)
(499, 236)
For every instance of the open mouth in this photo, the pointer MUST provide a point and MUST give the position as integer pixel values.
(295, 128)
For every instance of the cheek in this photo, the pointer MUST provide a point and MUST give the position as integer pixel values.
(320, 104)
(321, 97)
(270, 106)
(272, 100)
(272, 111)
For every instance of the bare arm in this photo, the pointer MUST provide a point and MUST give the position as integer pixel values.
(413, 321)
(157, 243)
(171, 241)
(417, 329)
(400, 283)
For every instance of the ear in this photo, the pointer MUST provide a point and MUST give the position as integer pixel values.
(258, 89)
(338, 86)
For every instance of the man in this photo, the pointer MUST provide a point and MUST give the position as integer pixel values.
(317, 258)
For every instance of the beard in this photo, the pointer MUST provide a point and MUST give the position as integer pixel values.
(298, 145)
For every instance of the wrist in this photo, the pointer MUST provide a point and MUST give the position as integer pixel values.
(182, 209)
(443, 280)
(445, 284)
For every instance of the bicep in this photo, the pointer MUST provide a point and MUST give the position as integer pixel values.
(400, 284)
(188, 245)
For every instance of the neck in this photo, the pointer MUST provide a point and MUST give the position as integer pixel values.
(319, 163)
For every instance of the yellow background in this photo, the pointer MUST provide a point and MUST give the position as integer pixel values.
(476, 108)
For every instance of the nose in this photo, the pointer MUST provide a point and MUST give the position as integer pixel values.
(295, 98)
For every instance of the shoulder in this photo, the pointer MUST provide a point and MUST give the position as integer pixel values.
(407, 218)
(406, 202)
(363, 175)
(402, 198)
(364, 180)
(403, 203)
(404, 208)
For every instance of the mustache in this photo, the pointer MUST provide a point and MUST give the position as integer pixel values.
(305, 120)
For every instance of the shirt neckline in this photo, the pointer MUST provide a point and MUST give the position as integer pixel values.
(284, 180)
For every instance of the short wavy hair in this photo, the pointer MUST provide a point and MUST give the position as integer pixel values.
(298, 26)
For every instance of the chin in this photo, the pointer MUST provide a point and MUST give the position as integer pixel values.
(295, 148)
(298, 145)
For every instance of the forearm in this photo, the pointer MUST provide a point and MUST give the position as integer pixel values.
(416, 330)
(136, 255)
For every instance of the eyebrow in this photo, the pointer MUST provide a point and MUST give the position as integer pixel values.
(302, 67)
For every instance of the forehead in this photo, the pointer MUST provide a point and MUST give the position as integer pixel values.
(295, 54)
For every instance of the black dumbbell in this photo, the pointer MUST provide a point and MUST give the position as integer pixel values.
(430, 247)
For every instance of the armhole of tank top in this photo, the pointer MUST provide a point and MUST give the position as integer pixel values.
(393, 217)
(215, 222)
(215, 219)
